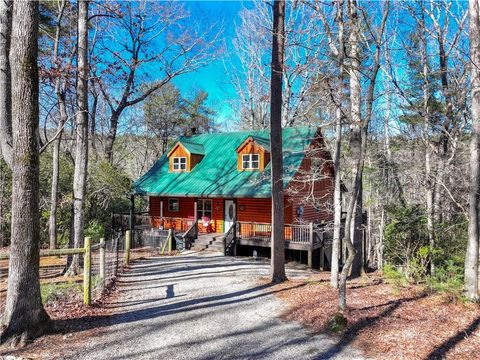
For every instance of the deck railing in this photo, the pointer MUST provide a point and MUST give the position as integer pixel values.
(302, 234)
(294, 233)
(177, 224)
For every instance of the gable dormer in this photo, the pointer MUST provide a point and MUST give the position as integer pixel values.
(253, 154)
(184, 156)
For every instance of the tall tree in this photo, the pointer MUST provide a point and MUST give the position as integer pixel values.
(81, 126)
(5, 82)
(340, 55)
(355, 147)
(337, 48)
(358, 137)
(24, 317)
(356, 134)
(278, 47)
(471, 258)
(60, 89)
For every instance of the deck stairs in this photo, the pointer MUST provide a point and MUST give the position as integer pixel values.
(209, 242)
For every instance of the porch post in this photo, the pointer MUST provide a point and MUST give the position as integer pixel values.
(195, 215)
(310, 246)
(195, 208)
(161, 213)
(322, 252)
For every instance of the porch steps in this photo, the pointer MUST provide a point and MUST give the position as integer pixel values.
(209, 242)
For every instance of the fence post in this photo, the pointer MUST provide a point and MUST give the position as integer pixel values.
(128, 238)
(87, 273)
(169, 239)
(102, 262)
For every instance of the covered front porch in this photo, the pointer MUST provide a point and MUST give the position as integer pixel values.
(228, 224)
(212, 215)
(309, 238)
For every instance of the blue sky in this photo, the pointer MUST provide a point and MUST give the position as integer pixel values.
(213, 78)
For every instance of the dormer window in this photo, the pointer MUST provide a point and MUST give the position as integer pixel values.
(184, 155)
(251, 161)
(253, 154)
(179, 163)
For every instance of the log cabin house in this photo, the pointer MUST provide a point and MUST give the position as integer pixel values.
(215, 189)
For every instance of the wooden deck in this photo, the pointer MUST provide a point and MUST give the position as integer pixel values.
(297, 237)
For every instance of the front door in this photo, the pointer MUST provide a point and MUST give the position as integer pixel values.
(230, 215)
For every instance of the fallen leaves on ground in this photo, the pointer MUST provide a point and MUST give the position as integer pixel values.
(70, 321)
(388, 322)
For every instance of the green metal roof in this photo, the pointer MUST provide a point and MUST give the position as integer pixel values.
(216, 175)
(193, 148)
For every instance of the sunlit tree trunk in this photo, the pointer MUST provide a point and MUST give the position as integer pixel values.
(472, 255)
(278, 241)
(52, 221)
(337, 195)
(81, 122)
(355, 140)
(24, 317)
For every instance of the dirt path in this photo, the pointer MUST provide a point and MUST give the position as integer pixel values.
(203, 306)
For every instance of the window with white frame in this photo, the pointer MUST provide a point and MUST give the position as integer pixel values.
(204, 208)
(251, 161)
(179, 163)
(173, 205)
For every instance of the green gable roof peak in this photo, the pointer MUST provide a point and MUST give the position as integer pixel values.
(192, 148)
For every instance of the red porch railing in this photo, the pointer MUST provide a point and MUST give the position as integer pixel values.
(174, 223)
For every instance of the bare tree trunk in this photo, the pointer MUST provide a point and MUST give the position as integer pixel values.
(81, 151)
(358, 143)
(429, 181)
(356, 132)
(337, 201)
(111, 136)
(52, 221)
(24, 317)
(471, 258)
(355, 146)
(5, 82)
(380, 240)
(278, 241)
(337, 194)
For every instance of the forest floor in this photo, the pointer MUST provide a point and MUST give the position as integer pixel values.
(203, 307)
(193, 306)
(388, 321)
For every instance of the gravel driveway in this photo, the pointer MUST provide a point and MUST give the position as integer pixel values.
(204, 306)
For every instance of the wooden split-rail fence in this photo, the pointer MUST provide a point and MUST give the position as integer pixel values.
(86, 252)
